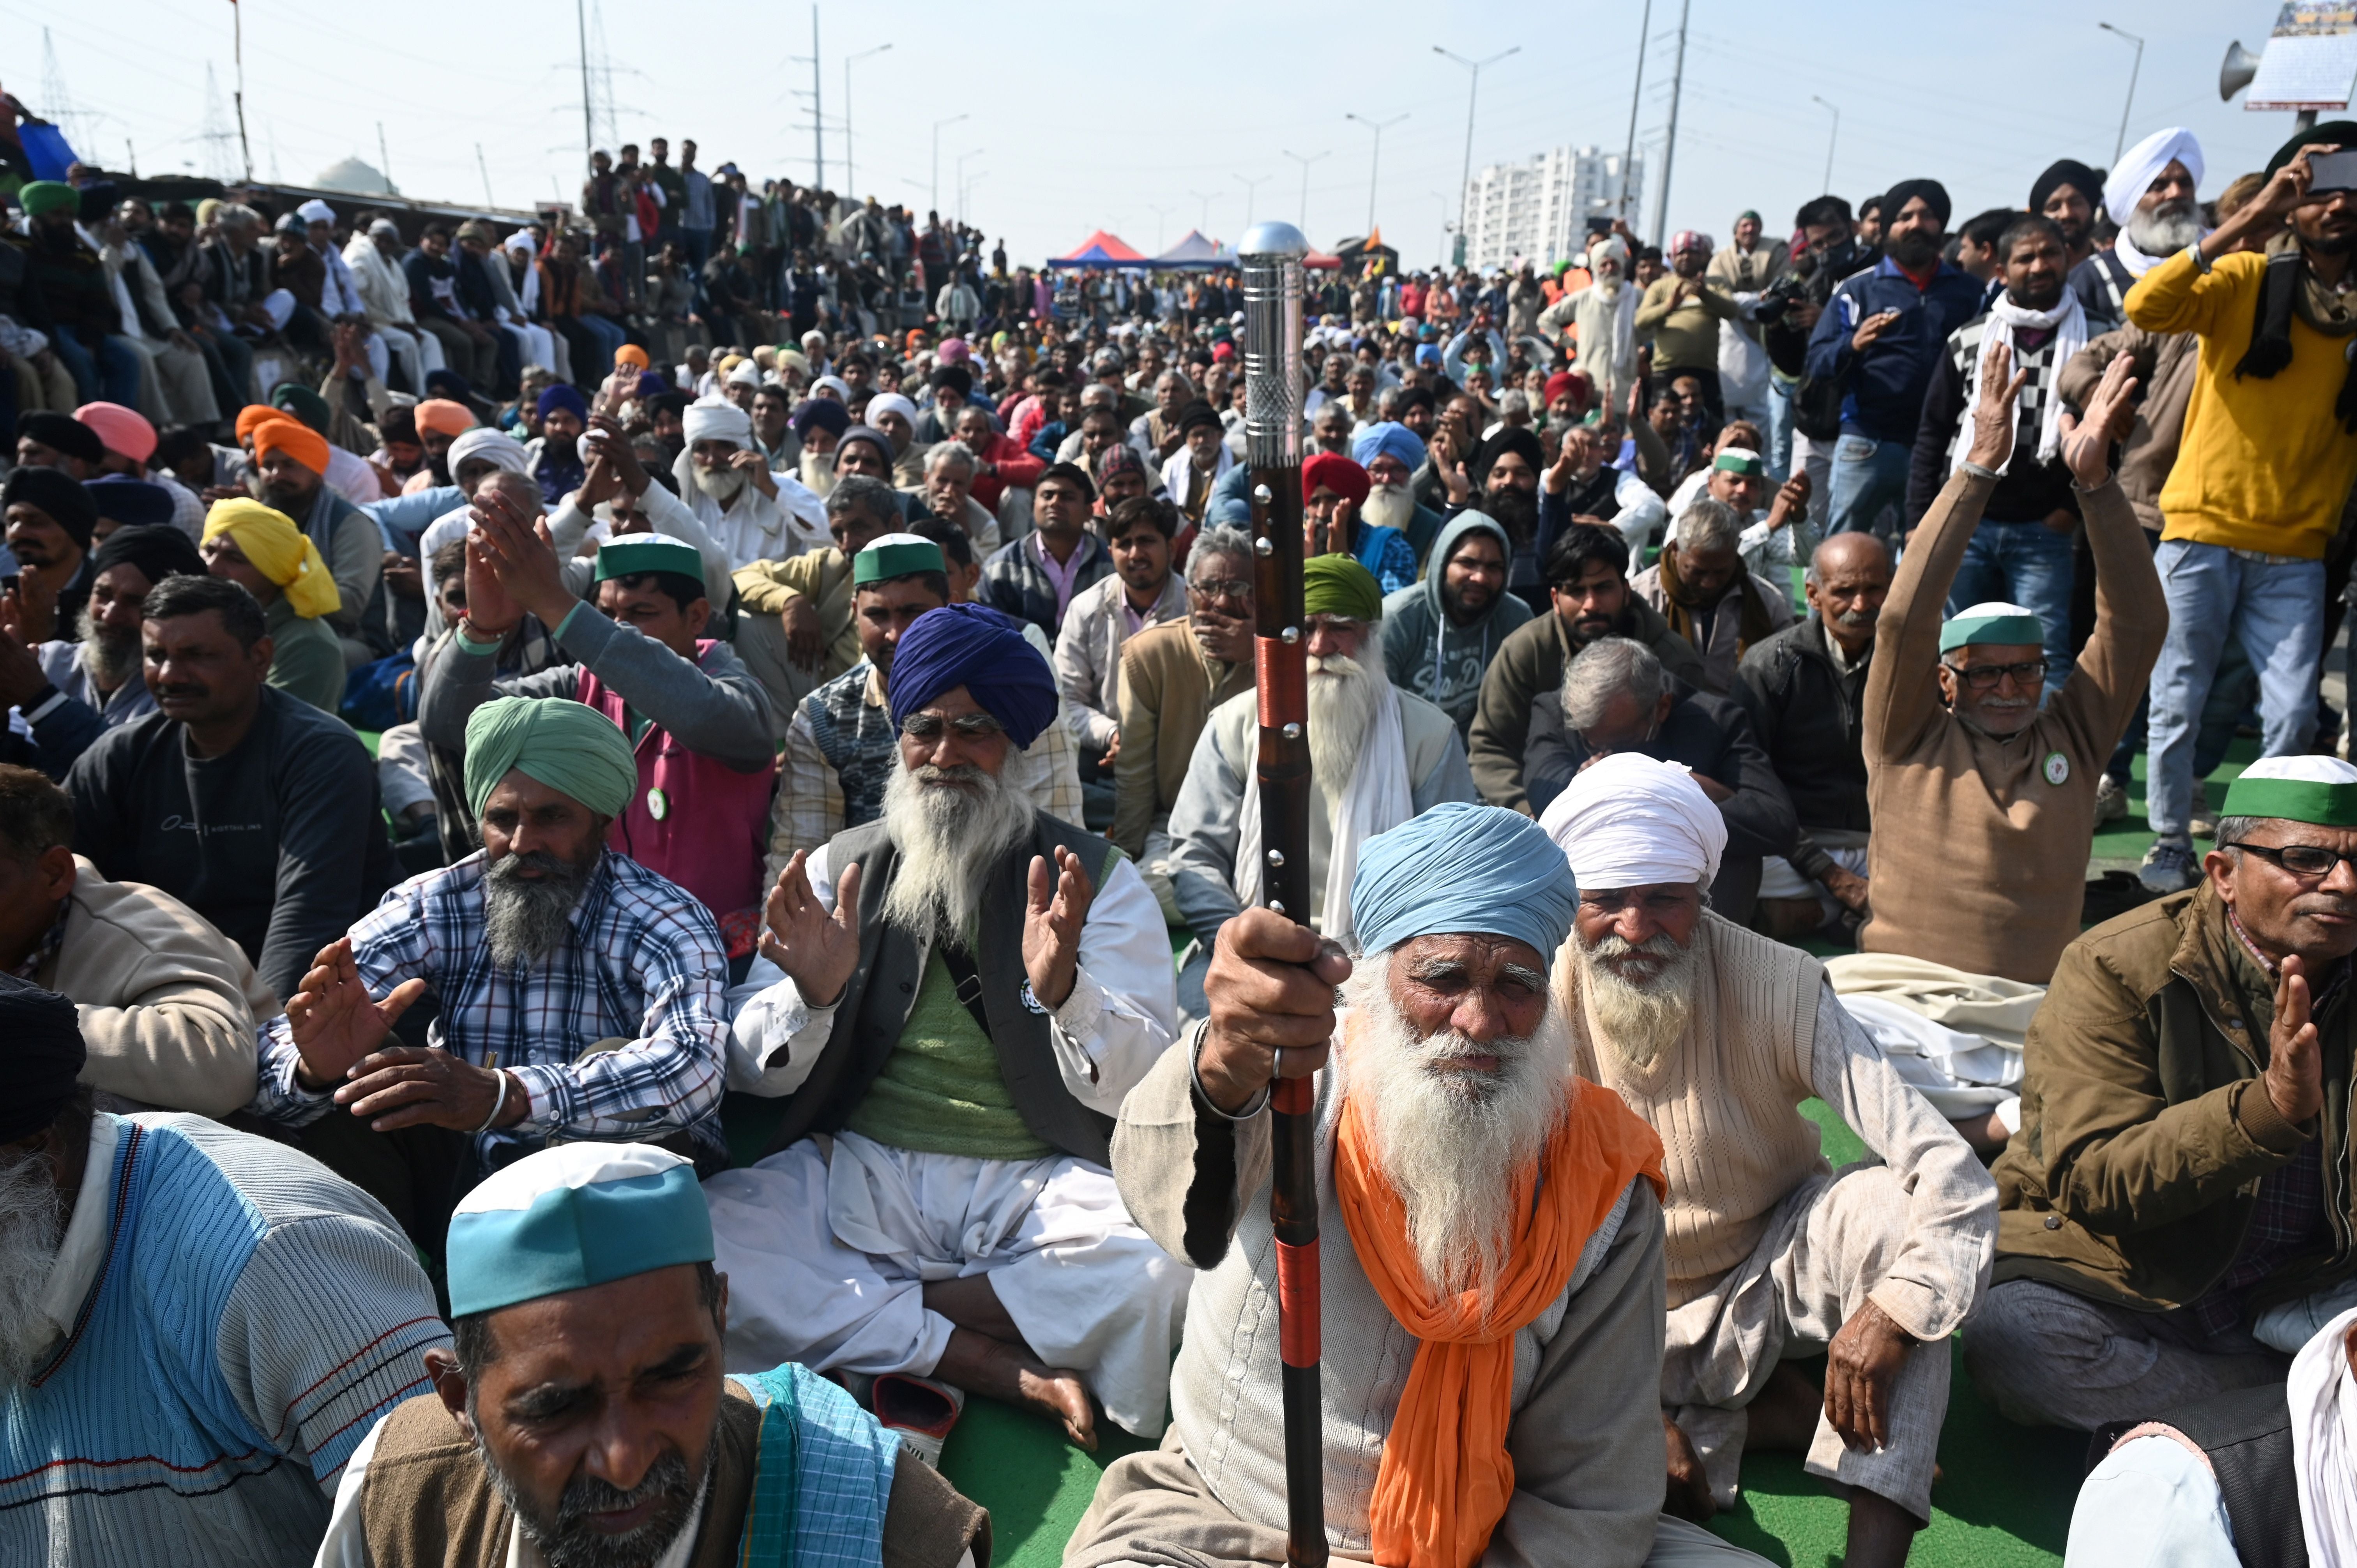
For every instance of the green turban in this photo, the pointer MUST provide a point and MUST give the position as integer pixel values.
(565, 745)
(303, 403)
(48, 195)
(1338, 585)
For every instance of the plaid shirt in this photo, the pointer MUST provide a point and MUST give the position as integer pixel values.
(809, 807)
(645, 966)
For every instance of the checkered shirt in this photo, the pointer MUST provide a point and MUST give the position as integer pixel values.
(645, 966)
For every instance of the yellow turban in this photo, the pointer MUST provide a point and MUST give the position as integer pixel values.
(280, 551)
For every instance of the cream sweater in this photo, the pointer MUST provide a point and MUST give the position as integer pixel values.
(1768, 1033)
(168, 1004)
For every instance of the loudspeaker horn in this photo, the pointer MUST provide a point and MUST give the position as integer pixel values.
(2235, 74)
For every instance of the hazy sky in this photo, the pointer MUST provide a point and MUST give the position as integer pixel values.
(1148, 118)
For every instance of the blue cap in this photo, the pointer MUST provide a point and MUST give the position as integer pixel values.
(571, 1217)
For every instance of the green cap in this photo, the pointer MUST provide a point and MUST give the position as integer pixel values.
(45, 196)
(2319, 790)
(1741, 460)
(897, 555)
(1992, 622)
(635, 554)
(1338, 585)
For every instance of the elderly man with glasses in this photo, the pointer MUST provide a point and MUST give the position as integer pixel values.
(2173, 1213)
(1983, 800)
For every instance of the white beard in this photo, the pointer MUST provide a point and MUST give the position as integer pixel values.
(32, 1226)
(949, 838)
(2166, 230)
(723, 485)
(818, 473)
(1342, 696)
(1388, 506)
(1451, 1142)
(1640, 1018)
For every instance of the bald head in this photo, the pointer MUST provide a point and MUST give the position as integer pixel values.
(1849, 578)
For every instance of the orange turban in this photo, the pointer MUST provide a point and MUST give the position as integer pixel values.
(631, 354)
(253, 413)
(443, 416)
(298, 440)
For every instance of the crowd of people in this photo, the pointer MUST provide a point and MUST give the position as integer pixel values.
(630, 866)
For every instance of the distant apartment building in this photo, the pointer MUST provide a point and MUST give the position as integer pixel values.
(1539, 209)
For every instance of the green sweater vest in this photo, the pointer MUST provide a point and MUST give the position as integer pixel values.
(941, 1091)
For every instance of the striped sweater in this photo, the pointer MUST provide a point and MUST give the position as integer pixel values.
(231, 1321)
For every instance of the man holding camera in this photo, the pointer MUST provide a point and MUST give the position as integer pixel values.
(1804, 418)
(2269, 456)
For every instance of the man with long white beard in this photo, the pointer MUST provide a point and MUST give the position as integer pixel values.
(2150, 196)
(1491, 1258)
(1392, 453)
(1715, 1034)
(1605, 316)
(581, 994)
(1379, 754)
(195, 1325)
(753, 513)
(77, 686)
(957, 997)
(589, 1267)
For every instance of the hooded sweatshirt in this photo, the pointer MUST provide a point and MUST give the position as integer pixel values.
(1429, 654)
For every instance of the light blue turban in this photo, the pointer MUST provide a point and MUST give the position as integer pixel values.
(1462, 868)
(1389, 436)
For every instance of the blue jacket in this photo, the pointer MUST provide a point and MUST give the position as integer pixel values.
(1883, 389)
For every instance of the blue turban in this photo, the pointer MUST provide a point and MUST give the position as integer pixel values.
(565, 397)
(977, 648)
(821, 413)
(1391, 437)
(1462, 868)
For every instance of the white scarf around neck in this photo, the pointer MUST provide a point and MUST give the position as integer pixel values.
(2068, 322)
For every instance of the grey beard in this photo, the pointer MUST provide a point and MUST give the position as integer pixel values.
(568, 1541)
(107, 658)
(1388, 506)
(1342, 695)
(526, 918)
(1451, 1142)
(32, 1226)
(818, 473)
(1640, 1018)
(2166, 230)
(723, 485)
(950, 825)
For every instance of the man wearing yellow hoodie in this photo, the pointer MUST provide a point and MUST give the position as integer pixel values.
(2269, 453)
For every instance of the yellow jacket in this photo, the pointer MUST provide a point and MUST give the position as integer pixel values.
(2265, 465)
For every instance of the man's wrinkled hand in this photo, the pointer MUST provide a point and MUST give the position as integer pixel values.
(1861, 1365)
(1270, 988)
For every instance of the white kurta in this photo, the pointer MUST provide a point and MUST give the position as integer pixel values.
(827, 1261)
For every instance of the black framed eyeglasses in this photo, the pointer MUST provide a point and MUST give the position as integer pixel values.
(2309, 860)
(1985, 677)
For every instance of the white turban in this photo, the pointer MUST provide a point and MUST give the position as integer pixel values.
(746, 374)
(521, 241)
(1631, 821)
(834, 384)
(489, 445)
(715, 419)
(2142, 164)
(883, 403)
(315, 211)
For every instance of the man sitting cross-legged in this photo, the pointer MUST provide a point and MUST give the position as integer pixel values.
(579, 1415)
(581, 994)
(969, 988)
(1715, 1034)
(1492, 1239)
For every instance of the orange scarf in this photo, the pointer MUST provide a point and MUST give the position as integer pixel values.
(1447, 1477)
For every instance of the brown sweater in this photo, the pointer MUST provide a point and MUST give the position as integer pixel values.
(1169, 688)
(1979, 855)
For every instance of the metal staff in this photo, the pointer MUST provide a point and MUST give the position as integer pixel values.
(1274, 281)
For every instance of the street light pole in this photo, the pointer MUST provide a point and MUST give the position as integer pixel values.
(1670, 141)
(937, 157)
(1376, 160)
(1249, 186)
(1304, 163)
(1206, 200)
(1472, 97)
(2129, 107)
(974, 153)
(1830, 140)
(1636, 95)
(850, 179)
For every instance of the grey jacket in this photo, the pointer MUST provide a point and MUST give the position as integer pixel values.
(1430, 655)
(1585, 1435)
